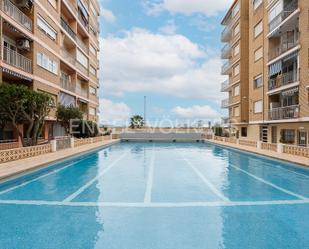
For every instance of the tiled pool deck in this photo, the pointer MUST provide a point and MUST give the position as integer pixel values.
(14, 168)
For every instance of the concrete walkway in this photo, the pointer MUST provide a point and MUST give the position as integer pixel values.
(19, 167)
(304, 161)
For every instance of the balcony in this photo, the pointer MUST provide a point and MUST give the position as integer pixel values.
(287, 11)
(225, 85)
(82, 92)
(81, 68)
(82, 45)
(17, 60)
(66, 56)
(226, 68)
(283, 48)
(67, 84)
(68, 29)
(283, 79)
(83, 21)
(226, 52)
(287, 112)
(226, 34)
(13, 11)
(225, 103)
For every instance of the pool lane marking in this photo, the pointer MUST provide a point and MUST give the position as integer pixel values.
(204, 179)
(40, 177)
(269, 183)
(148, 192)
(88, 184)
(154, 204)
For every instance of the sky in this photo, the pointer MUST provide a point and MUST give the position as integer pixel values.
(166, 50)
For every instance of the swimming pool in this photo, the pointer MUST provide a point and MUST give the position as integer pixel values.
(158, 196)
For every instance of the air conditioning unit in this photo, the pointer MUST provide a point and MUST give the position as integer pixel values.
(23, 44)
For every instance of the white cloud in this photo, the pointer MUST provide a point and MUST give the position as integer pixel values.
(187, 7)
(108, 15)
(113, 113)
(197, 111)
(142, 61)
(170, 28)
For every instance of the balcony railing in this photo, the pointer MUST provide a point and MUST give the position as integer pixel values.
(68, 29)
(83, 22)
(82, 45)
(225, 103)
(67, 56)
(226, 51)
(10, 9)
(82, 68)
(226, 34)
(288, 10)
(284, 79)
(225, 85)
(67, 84)
(226, 66)
(17, 60)
(287, 112)
(284, 47)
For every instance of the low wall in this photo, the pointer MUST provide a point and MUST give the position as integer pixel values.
(160, 136)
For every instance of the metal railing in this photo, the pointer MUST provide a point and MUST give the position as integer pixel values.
(67, 56)
(287, 112)
(283, 79)
(288, 10)
(226, 34)
(225, 103)
(82, 45)
(226, 66)
(17, 60)
(13, 11)
(67, 84)
(226, 51)
(284, 47)
(68, 29)
(83, 22)
(225, 85)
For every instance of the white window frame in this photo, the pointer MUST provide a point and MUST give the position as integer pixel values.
(236, 29)
(45, 62)
(236, 70)
(236, 49)
(257, 3)
(258, 29)
(46, 28)
(258, 54)
(255, 79)
(82, 58)
(258, 106)
(236, 91)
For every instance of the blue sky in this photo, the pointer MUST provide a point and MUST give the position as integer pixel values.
(167, 50)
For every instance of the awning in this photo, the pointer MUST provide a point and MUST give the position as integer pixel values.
(8, 71)
(275, 68)
(290, 92)
(66, 99)
(290, 56)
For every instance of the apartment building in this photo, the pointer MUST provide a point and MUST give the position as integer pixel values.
(278, 75)
(52, 46)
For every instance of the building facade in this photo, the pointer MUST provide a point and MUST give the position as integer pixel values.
(278, 72)
(52, 46)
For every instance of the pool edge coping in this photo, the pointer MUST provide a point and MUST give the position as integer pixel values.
(82, 150)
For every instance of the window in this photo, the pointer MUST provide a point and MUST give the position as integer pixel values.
(236, 29)
(258, 106)
(257, 3)
(92, 111)
(236, 90)
(287, 136)
(244, 131)
(275, 11)
(258, 81)
(48, 64)
(258, 29)
(93, 50)
(92, 90)
(236, 50)
(236, 111)
(93, 10)
(93, 70)
(46, 28)
(258, 54)
(236, 9)
(236, 70)
(81, 58)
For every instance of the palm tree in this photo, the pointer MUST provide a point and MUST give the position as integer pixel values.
(137, 121)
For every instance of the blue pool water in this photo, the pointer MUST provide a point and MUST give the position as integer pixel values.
(158, 196)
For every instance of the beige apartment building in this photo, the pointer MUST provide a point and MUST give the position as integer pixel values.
(276, 65)
(52, 46)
